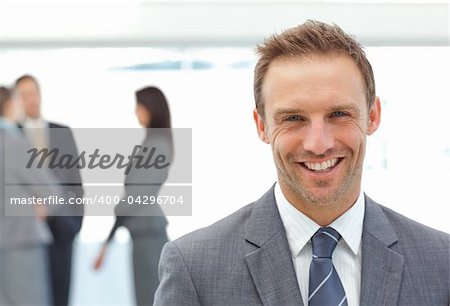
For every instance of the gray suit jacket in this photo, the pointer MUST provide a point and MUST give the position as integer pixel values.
(244, 259)
(19, 226)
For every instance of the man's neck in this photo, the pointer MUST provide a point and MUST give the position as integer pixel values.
(322, 214)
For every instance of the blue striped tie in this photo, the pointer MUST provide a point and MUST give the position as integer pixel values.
(325, 287)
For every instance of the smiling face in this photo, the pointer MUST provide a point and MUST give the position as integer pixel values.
(317, 120)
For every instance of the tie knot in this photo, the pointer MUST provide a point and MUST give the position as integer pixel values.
(324, 242)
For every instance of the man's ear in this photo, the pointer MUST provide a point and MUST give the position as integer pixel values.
(374, 116)
(260, 126)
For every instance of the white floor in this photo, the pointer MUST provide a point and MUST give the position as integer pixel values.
(112, 285)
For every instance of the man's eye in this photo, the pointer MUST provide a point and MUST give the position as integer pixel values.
(294, 118)
(338, 114)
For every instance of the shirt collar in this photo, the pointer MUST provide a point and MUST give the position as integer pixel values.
(300, 228)
(5, 123)
(34, 123)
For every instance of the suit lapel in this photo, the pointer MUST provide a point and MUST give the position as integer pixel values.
(268, 256)
(382, 267)
(51, 134)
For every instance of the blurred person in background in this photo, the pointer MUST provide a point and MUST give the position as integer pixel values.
(146, 223)
(24, 238)
(66, 225)
(9, 110)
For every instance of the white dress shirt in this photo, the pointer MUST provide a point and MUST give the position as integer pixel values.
(36, 131)
(347, 255)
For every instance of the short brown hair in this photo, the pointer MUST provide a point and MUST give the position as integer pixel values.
(26, 77)
(310, 38)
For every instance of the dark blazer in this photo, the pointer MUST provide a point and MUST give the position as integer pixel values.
(66, 226)
(244, 259)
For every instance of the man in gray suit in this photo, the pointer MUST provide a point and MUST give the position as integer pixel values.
(314, 238)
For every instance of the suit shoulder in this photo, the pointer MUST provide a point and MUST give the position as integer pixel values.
(414, 231)
(57, 125)
(226, 229)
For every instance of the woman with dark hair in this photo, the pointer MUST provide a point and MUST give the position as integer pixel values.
(146, 223)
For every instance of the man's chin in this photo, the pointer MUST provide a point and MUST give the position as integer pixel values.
(321, 197)
(320, 201)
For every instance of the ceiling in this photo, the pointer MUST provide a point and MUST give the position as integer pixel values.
(155, 23)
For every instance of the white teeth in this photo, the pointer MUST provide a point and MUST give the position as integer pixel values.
(321, 166)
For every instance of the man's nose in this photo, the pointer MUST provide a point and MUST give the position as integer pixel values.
(319, 138)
